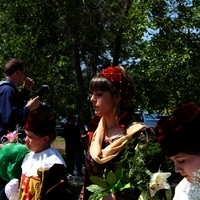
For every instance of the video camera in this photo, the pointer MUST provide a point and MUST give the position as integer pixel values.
(44, 107)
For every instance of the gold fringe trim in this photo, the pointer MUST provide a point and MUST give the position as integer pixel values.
(62, 181)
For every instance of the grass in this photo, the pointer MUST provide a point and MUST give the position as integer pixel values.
(59, 144)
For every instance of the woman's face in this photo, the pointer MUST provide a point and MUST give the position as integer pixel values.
(186, 164)
(103, 103)
(36, 143)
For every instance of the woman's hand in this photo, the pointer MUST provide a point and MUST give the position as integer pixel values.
(109, 197)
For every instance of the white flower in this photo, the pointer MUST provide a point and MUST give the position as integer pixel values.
(158, 181)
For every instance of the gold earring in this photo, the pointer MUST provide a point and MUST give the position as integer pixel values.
(115, 110)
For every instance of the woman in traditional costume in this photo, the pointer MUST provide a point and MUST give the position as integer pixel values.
(179, 138)
(111, 128)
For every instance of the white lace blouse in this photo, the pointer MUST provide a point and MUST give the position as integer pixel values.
(187, 191)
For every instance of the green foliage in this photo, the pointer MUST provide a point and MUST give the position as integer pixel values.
(168, 57)
(65, 43)
(142, 157)
(112, 183)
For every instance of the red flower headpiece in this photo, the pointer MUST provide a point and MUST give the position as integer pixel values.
(121, 83)
(181, 133)
(40, 123)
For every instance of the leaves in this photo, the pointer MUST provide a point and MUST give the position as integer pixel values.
(110, 185)
(99, 181)
(118, 171)
(142, 162)
(98, 195)
(94, 188)
(111, 178)
(157, 40)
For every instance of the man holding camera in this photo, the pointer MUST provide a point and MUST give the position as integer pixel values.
(15, 105)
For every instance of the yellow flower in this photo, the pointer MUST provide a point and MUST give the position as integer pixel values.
(158, 181)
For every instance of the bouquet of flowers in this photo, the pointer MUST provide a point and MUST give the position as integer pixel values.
(138, 170)
(12, 152)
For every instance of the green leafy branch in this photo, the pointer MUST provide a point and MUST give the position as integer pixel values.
(113, 182)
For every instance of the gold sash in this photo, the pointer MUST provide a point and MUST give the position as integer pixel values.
(102, 156)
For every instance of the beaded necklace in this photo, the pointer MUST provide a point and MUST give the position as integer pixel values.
(106, 138)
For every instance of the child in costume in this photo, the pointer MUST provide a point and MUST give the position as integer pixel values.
(43, 168)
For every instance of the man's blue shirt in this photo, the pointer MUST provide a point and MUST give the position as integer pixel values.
(12, 107)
